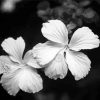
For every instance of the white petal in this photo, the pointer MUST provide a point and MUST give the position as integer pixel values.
(56, 31)
(26, 79)
(5, 64)
(29, 60)
(10, 83)
(14, 48)
(45, 52)
(83, 38)
(57, 68)
(29, 81)
(78, 64)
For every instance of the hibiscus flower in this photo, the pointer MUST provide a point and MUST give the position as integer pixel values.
(59, 54)
(18, 72)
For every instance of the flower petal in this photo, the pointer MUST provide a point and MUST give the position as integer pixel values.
(25, 79)
(56, 31)
(10, 82)
(83, 38)
(57, 68)
(29, 60)
(14, 48)
(45, 52)
(5, 64)
(29, 81)
(78, 64)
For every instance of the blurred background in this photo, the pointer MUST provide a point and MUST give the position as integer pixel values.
(25, 17)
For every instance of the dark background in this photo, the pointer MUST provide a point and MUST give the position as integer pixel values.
(25, 22)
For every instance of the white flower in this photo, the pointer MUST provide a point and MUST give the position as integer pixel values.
(59, 54)
(18, 72)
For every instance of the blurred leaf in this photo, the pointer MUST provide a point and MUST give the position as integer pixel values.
(84, 3)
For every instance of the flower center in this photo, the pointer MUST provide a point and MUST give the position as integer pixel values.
(67, 47)
(22, 64)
